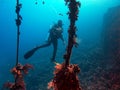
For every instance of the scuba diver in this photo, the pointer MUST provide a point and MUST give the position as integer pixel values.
(54, 34)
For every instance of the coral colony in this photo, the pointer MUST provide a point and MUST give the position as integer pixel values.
(18, 71)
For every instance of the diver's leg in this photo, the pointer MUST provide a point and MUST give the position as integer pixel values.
(31, 52)
(44, 45)
(55, 44)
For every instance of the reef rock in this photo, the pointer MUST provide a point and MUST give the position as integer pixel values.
(111, 34)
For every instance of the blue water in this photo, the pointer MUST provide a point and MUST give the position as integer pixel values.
(37, 19)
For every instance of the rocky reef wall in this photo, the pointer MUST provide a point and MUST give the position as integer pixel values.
(111, 34)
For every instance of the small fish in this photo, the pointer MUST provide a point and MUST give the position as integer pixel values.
(76, 41)
(60, 14)
(36, 3)
(43, 2)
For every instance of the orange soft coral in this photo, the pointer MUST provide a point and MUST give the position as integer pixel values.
(18, 72)
(65, 78)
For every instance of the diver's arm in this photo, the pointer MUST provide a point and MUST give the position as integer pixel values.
(48, 38)
(61, 37)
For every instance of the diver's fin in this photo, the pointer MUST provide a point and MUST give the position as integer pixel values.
(30, 53)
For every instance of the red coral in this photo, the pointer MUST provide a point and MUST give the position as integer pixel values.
(26, 67)
(18, 72)
(8, 85)
(65, 78)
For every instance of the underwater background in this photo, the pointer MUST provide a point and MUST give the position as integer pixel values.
(38, 17)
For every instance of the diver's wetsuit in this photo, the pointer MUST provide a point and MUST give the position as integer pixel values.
(54, 34)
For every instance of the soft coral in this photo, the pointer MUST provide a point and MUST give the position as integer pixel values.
(18, 72)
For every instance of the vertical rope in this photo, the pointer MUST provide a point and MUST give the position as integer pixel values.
(73, 12)
(18, 22)
(19, 70)
(65, 75)
(18, 28)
